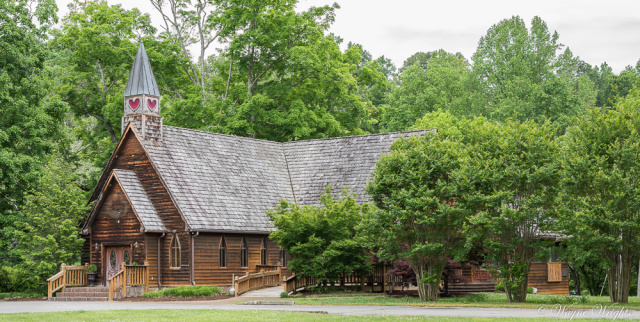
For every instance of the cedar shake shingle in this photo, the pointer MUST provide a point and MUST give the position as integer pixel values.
(226, 183)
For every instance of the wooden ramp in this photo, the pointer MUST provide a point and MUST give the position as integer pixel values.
(264, 293)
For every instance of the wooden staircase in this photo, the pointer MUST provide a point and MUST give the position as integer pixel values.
(73, 281)
(97, 293)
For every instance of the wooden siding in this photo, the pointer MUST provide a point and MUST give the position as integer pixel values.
(131, 156)
(115, 225)
(538, 278)
(207, 257)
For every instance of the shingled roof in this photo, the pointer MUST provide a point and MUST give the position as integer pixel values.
(339, 162)
(226, 183)
(221, 182)
(141, 79)
(139, 200)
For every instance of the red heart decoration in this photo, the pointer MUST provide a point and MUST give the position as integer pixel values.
(151, 104)
(134, 104)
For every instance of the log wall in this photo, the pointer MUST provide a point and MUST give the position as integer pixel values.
(131, 156)
(538, 279)
(207, 257)
(115, 225)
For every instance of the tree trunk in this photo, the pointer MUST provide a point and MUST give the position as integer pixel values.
(620, 276)
(576, 279)
(427, 291)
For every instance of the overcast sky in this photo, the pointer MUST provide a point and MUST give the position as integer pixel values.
(595, 30)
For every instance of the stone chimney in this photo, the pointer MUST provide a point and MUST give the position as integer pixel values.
(142, 99)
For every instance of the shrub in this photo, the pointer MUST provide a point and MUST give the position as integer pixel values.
(186, 291)
(284, 295)
(92, 268)
(499, 287)
(529, 290)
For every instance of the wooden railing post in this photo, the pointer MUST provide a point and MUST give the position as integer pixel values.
(124, 280)
(146, 276)
(64, 275)
(235, 286)
(85, 280)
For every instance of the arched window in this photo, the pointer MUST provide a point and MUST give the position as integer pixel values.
(263, 252)
(175, 251)
(223, 253)
(244, 254)
(283, 258)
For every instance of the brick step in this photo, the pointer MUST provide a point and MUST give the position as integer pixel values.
(86, 289)
(83, 294)
(79, 299)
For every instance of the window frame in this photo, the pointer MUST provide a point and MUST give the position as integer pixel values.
(264, 252)
(244, 253)
(283, 258)
(222, 254)
(172, 257)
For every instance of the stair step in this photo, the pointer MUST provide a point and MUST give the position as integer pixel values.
(79, 299)
(83, 294)
(86, 289)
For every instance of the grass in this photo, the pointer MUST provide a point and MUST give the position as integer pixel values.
(186, 291)
(13, 295)
(210, 315)
(471, 300)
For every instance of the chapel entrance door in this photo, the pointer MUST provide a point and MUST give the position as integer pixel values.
(115, 257)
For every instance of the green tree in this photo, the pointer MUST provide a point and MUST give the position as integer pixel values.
(422, 90)
(323, 240)
(601, 165)
(419, 219)
(95, 48)
(29, 120)
(516, 71)
(48, 234)
(511, 183)
(446, 124)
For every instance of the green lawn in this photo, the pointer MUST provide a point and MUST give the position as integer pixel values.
(212, 315)
(472, 300)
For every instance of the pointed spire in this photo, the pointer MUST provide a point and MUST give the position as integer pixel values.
(141, 80)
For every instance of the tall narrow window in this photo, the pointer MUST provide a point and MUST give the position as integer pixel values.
(244, 255)
(283, 258)
(175, 251)
(223, 253)
(263, 252)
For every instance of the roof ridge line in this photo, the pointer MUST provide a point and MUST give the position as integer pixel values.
(307, 140)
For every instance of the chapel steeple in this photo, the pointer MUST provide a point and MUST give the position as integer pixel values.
(142, 99)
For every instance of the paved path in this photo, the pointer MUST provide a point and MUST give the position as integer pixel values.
(265, 292)
(616, 311)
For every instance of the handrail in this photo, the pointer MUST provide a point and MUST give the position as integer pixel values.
(118, 281)
(129, 275)
(68, 276)
(380, 276)
(256, 281)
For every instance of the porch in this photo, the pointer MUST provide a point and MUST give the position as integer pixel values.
(76, 277)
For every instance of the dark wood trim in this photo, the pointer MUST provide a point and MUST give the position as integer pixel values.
(192, 264)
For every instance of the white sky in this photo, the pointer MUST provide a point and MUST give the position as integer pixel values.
(595, 30)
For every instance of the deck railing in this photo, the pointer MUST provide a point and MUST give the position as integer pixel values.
(481, 276)
(68, 276)
(129, 275)
(256, 281)
(380, 277)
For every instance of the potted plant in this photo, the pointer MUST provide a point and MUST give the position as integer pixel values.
(91, 273)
